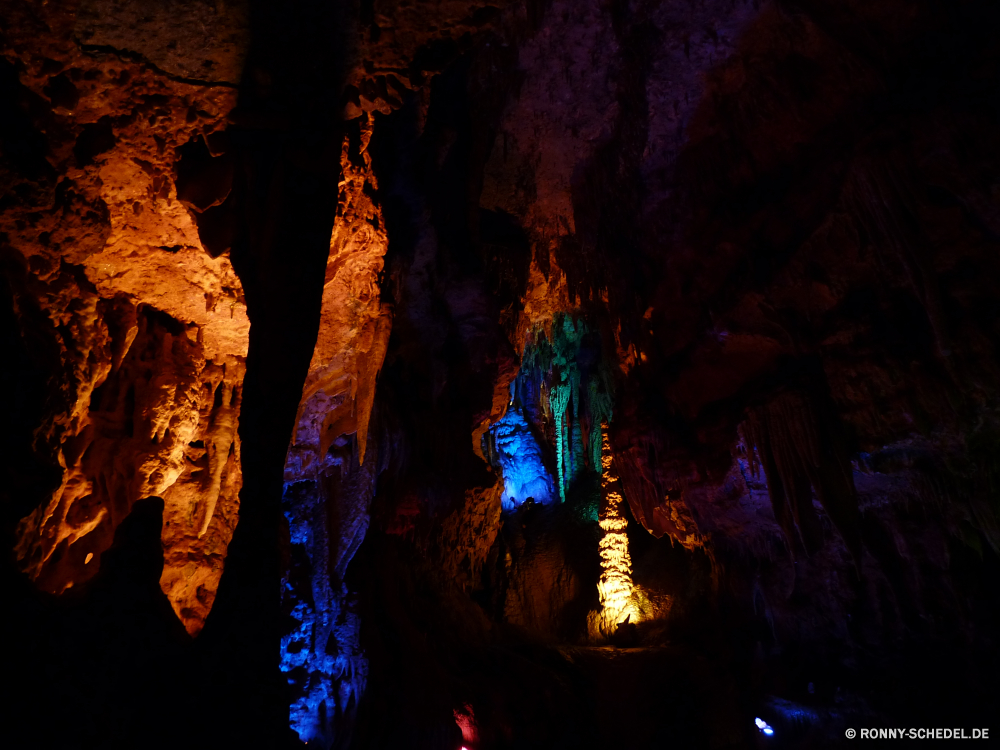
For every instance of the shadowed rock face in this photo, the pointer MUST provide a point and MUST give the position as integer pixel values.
(199, 40)
(334, 461)
(287, 271)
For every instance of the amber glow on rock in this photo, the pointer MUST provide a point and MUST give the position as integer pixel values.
(150, 331)
(615, 584)
(354, 327)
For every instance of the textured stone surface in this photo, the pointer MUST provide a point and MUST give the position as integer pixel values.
(205, 40)
(467, 535)
(150, 333)
(354, 325)
(779, 222)
(333, 464)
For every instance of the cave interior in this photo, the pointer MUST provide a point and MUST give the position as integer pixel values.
(533, 374)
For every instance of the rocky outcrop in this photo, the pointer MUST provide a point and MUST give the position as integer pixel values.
(463, 545)
(145, 332)
(354, 328)
(333, 463)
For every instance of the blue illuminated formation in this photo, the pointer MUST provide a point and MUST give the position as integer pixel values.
(520, 458)
(322, 656)
(564, 385)
(321, 651)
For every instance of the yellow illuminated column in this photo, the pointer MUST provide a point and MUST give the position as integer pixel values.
(615, 584)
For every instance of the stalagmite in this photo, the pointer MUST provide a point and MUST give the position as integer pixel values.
(615, 584)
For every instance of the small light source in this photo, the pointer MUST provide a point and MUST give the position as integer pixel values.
(88, 558)
(763, 726)
(466, 720)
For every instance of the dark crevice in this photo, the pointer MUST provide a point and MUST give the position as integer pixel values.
(136, 57)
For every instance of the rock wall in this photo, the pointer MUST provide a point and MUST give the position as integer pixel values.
(144, 331)
(776, 225)
(334, 461)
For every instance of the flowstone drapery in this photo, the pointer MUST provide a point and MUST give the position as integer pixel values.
(564, 374)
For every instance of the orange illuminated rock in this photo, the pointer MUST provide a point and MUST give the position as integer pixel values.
(147, 332)
(332, 464)
(354, 326)
(330, 441)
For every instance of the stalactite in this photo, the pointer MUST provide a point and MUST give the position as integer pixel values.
(599, 402)
(576, 450)
(574, 436)
(559, 398)
(886, 206)
(565, 378)
(784, 437)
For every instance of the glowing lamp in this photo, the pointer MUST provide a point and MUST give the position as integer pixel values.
(763, 726)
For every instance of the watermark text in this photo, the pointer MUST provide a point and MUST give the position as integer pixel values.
(922, 733)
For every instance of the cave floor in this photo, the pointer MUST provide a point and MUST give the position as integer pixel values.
(658, 697)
